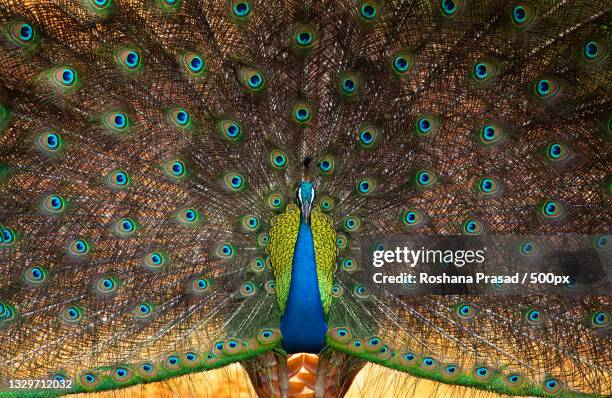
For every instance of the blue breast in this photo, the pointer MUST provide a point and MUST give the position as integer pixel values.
(303, 324)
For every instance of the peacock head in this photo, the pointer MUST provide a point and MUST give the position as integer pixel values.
(306, 194)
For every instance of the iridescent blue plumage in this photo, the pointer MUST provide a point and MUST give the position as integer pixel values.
(303, 324)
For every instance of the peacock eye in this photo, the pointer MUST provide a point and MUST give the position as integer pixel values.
(278, 159)
(66, 75)
(472, 227)
(241, 9)
(341, 241)
(519, 14)
(72, 315)
(450, 8)
(302, 113)
(252, 79)
(465, 311)
(368, 137)
(175, 169)
(551, 386)
(487, 185)
(49, 143)
(425, 179)
(196, 64)
(7, 236)
(21, 33)
(594, 51)
(534, 316)
(412, 218)
(180, 118)
(349, 264)
(53, 205)
(429, 364)
(401, 64)
(247, 289)
(233, 130)
(234, 182)
(326, 164)
(304, 38)
(528, 248)
(79, 248)
(143, 310)
(129, 59)
(225, 251)
(117, 122)
(523, 15)
(551, 210)
(199, 285)
(546, 88)
(34, 276)
(426, 125)
(147, 368)
(482, 373)
(118, 179)
(351, 224)
(106, 284)
(600, 319)
(154, 260)
(258, 264)
(121, 374)
(188, 217)
(63, 79)
(124, 227)
(557, 152)
(366, 186)
(368, 11)
(602, 242)
(480, 70)
(26, 32)
(491, 133)
(484, 70)
(515, 380)
(101, 3)
(275, 201)
(349, 84)
(327, 203)
(591, 49)
(250, 223)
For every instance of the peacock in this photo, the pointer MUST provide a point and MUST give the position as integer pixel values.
(189, 184)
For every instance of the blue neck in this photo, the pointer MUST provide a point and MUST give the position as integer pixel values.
(303, 324)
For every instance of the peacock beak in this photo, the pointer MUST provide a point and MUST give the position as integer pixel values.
(306, 206)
